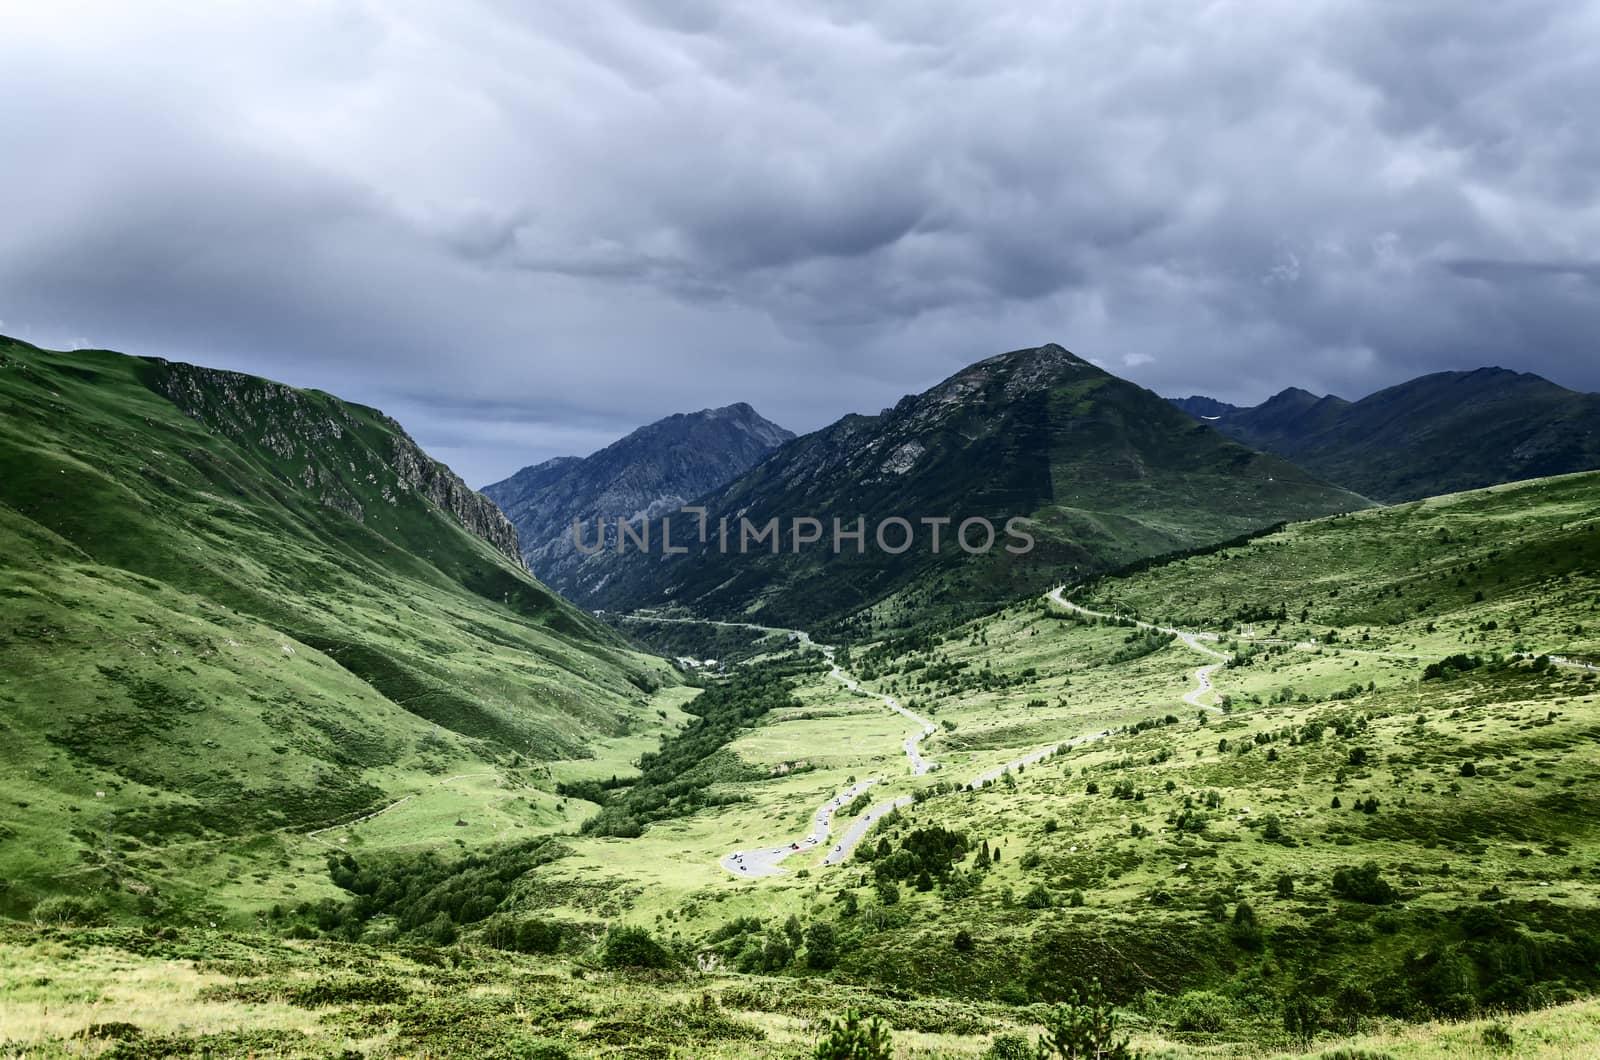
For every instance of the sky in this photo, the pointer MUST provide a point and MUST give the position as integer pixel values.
(525, 229)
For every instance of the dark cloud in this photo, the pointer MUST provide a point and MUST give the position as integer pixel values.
(524, 229)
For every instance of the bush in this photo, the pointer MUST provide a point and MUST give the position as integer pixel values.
(630, 947)
(1246, 933)
(1364, 885)
(822, 946)
(522, 936)
(1083, 1028)
(1302, 1016)
(1009, 1047)
(67, 911)
(442, 932)
(1201, 1010)
(1497, 1036)
(851, 1039)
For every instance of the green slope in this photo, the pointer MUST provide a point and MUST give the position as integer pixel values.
(1439, 433)
(229, 609)
(1521, 555)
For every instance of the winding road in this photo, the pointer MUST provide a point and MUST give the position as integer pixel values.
(1202, 676)
(765, 861)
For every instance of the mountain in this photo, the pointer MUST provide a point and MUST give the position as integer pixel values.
(1101, 472)
(1439, 433)
(1204, 408)
(232, 611)
(652, 471)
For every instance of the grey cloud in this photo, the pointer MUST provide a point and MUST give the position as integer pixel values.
(526, 229)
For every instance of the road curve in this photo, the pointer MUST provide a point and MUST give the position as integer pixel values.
(1202, 676)
(764, 861)
(919, 765)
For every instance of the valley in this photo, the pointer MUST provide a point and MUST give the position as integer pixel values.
(333, 768)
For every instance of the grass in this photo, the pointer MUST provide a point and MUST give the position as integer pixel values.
(132, 994)
(208, 655)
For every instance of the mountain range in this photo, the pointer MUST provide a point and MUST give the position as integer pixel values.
(654, 470)
(1098, 470)
(1439, 433)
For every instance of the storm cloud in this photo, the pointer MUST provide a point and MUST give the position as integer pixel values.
(524, 229)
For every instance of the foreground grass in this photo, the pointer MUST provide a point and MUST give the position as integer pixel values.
(117, 993)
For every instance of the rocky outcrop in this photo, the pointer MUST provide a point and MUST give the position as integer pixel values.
(418, 471)
(350, 458)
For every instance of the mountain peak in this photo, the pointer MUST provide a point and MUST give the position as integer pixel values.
(1102, 471)
(1293, 395)
(1438, 433)
(653, 469)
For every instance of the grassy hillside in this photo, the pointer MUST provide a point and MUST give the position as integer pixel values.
(232, 612)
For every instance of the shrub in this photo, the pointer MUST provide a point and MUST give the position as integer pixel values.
(522, 936)
(851, 1039)
(631, 947)
(1497, 1036)
(1447, 668)
(67, 911)
(1084, 1028)
(963, 941)
(822, 946)
(1009, 1047)
(1246, 933)
(1301, 1014)
(1364, 885)
(442, 932)
(1201, 1010)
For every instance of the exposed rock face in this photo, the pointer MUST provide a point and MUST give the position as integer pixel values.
(420, 472)
(653, 471)
(348, 457)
